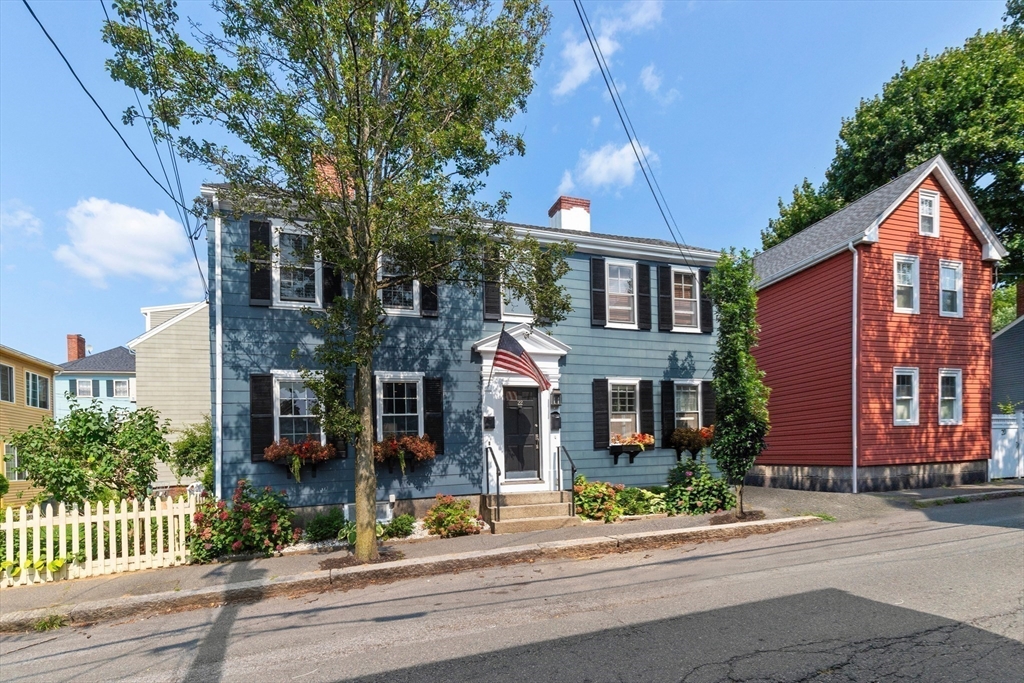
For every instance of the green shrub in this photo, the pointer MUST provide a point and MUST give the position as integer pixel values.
(634, 501)
(450, 517)
(5, 485)
(258, 522)
(192, 454)
(694, 491)
(596, 499)
(399, 527)
(326, 526)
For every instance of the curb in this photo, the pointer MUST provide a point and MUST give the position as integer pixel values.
(386, 572)
(967, 498)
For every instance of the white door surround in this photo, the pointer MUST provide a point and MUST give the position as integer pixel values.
(546, 351)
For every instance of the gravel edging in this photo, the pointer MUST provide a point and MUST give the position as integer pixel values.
(966, 498)
(386, 572)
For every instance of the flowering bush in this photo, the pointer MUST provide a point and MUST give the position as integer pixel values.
(449, 517)
(596, 499)
(635, 439)
(298, 454)
(257, 522)
(693, 490)
(415, 448)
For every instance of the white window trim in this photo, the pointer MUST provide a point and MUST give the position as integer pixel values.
(915, 405)
(127, 388)
(14, 384)
(907, 258)
(287, 376)
(384, 376)
(607, 295)
(413, 312)
(700, 399)
(78, 388)
(635, 382)
(959, 288)
(278, 227)
(958, 411)
(696, 290)
(935, 217)
(49, 391)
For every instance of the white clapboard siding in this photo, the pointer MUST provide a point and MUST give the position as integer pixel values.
(95, 539)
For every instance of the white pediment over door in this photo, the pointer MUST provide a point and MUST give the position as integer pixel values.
(536, 343)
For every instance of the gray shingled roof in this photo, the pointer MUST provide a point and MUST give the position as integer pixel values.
(119, 359)
(844, 226)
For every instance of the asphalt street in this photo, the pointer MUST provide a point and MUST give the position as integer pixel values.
(915, 595)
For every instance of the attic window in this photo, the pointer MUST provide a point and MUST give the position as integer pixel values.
(928, 213)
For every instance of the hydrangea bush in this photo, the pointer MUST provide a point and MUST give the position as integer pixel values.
(693, 490)
(449, 517)
(257, 522)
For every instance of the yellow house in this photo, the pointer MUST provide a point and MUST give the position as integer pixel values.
(26, 397)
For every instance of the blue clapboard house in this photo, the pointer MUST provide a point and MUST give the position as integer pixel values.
(634, 355)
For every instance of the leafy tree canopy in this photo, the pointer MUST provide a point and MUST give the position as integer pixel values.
(967, 104)
(192, 453)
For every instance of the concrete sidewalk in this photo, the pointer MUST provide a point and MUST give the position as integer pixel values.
(210, 583)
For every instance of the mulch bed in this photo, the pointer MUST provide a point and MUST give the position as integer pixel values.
(351, 560)
(731, 518)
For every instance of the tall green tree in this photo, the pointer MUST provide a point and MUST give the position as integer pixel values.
(371, 124)
(741, 398)
(967, 104)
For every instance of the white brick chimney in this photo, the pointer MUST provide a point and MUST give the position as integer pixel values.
(570, 213)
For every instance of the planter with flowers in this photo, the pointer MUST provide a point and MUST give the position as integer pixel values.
(631, 445)
(692, 440)
(295, 455)
(405, 450)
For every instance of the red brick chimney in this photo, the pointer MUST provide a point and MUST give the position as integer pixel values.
(76, 347)
(570, 213)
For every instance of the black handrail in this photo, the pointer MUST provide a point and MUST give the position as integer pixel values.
(573, 480)
(497, 481)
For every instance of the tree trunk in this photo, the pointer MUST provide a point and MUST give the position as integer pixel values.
(739, 501)
(365, 472)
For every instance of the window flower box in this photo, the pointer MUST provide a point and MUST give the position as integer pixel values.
(630, 445)
(296, 455)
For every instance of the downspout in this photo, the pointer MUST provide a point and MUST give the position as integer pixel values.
(218, 433)
(856, 280)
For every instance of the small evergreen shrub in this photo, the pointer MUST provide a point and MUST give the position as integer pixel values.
(450, 517)
(596, 499)
(399, 527)
(694, 491)
(325, 526)
(258, 522)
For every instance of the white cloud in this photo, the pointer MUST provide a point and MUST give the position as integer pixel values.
(610, 165)
(579, 56)
(110, 240)
(649, 79)
(17, 219)
(596, 121)
(567, 185)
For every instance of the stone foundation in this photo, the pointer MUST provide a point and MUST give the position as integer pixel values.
(878, 478)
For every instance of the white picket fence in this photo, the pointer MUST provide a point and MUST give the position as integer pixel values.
(52, 545)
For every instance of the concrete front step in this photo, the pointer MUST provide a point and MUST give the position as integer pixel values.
(512, 526)
(531, 498)
(531, 511)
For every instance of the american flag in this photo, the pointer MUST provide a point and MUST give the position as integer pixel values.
(512, 356)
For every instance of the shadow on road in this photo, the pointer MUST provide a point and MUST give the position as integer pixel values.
(821, 636)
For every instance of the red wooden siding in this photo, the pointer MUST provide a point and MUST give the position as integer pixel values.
(805, 350)
(926, 341)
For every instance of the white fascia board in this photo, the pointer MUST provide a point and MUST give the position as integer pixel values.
(600, 245)
(165, 324)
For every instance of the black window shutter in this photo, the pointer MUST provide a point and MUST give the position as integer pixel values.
(261, 414)
(707, 400)
(598, 312)
(665, 298)
(602, 433)
(259, 268)
(706, 309)
(647, 407)
(110, 388)
(643, 297)
(72, 387)
(492, 300)
(332, 285)
(428, 300)
(95, 388)
(668, 412)
(433, 411)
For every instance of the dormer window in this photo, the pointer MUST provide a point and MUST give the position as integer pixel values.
(928, 213)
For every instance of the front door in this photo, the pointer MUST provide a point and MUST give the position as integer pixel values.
(522, 434)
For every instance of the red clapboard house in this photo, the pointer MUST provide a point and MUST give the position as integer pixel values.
(875, 341)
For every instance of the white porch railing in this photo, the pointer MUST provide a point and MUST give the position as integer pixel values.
(41, 545)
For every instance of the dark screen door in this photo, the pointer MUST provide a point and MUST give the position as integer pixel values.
(522, 438)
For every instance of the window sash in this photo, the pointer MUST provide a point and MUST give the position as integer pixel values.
(621, 294)
(6, 383)
(12, 466)
(297, 268)
(927, 213)
(398, 297)
(950, 288)
(905, 397)
(37, 391)
(684, 300)
(83, 388)
(296, 420)
(400, 408)
(905, 283)
(121, 388)
(687, 406)
(950, 397)
(623, 417)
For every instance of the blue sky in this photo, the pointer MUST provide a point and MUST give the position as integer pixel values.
(735, 102)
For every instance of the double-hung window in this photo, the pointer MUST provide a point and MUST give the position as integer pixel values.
(951, 403)
(37, 391)
(906, 284)
(684, 301)
(83, 388)
(400, 298)
(296, 420)
(297, 280)
(621, 294)
(928, 213)
(12, 465)
(687, 405)
(6, 383)
(623, 416)
(951, 289)
(399, 405)
(904, 396)
(121, 388)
